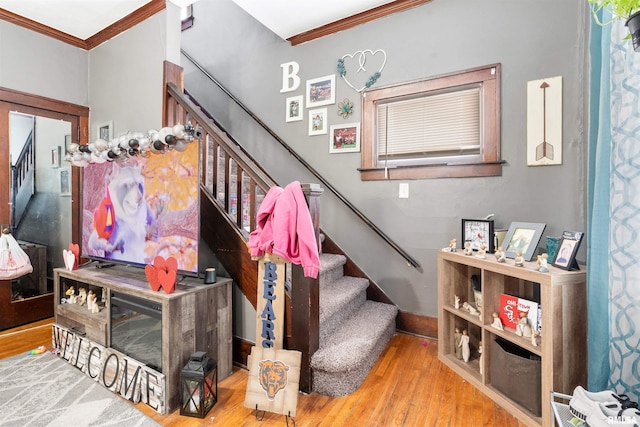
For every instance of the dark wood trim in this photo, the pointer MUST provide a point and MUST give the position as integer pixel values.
(241, 351)
(134, 18)
(352, 21)
(417, 324)
(23, 22)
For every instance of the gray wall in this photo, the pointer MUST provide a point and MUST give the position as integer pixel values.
(532, 39)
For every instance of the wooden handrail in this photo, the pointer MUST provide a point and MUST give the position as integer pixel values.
(410, 260)
(226, 170)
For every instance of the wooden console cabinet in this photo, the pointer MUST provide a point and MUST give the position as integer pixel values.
(561, 348)
(196, 317)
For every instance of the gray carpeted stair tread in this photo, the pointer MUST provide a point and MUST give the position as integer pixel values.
(350, 344)
(331, 267)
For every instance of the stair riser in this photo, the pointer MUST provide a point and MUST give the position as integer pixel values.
(327, 326)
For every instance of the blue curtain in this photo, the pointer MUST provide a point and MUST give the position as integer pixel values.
(598, 210)
(613, 278)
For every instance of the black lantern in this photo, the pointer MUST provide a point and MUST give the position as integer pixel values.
(199, 385)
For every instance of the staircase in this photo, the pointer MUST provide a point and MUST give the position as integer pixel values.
(353, 330)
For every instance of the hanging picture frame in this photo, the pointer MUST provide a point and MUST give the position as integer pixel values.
(105, 130)
(321, 91)
(565, 257)
(523, 237)
(318, 121)
(294, 108)
(344, 138)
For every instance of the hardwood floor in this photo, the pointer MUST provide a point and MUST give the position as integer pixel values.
(407, 386)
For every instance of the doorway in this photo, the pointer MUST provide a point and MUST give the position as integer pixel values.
(45, 216)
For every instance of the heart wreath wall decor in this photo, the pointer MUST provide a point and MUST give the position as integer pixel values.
(361, 57)
(162, 274)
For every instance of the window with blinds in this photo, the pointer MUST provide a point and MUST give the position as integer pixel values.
(420, 129)
(446, 126)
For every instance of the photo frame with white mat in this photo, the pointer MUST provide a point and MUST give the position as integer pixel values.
(478, 232)
(565, 257)
(523, 238)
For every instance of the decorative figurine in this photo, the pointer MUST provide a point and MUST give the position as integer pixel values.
(543, 263)
(497, 323)
(467, 248)
(456, 302)
(519, 260)
(480, 360)
(523, 329)
(534, 340)
(464, 343)
(452, 245)
(457, 338)
(82, 296)
(481, 252)
(71, 293)
(471, 309)
(92, 302)
(500, 255)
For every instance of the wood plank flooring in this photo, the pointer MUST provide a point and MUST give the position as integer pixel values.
(407, 386)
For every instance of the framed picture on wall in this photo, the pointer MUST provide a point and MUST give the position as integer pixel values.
(523, 237)
(105, 130)
(321, 91)
(318, 121)
(293, 112)
(344, 138)
(65, 182)
(567, 249)
(56, 152)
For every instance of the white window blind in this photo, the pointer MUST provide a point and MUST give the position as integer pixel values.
(443, 124)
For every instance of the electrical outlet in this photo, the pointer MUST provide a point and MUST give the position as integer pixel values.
(403, 192)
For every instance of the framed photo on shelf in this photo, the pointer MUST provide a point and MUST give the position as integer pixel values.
(478, 232)
(523, 237)
(567, 249)
(294, 109)
(318, 121)
(344, 138)
(321, 91)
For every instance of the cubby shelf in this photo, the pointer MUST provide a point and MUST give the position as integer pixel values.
(561, 347)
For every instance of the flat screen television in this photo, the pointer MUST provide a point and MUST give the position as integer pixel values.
(142, 207)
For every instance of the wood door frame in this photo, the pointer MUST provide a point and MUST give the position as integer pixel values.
(28, 310)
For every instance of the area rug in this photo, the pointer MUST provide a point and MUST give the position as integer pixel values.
(44, 390)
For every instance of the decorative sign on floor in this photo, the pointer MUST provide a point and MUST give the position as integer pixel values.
(115, 371)
(274, 380)
(270, 302)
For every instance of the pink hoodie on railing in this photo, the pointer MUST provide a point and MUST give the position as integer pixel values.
(284, 227)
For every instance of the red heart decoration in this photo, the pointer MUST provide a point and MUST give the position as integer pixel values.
(164, 274)
(160, 263)
(152, 276)
(75, 249)
(167, 280)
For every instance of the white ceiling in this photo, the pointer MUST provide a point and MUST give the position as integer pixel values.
(286, 18)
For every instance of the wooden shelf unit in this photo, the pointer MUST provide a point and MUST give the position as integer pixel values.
(196, 317)
(561, 346)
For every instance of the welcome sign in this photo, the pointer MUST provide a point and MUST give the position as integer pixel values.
(115, 371)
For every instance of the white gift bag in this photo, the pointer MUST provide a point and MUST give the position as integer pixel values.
(14, 262)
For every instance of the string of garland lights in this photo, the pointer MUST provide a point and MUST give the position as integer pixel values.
(133, 144)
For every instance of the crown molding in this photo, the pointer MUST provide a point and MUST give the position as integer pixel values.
(352, 21)
(134, 18)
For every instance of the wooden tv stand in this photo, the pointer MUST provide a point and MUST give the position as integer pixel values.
(196, 317)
